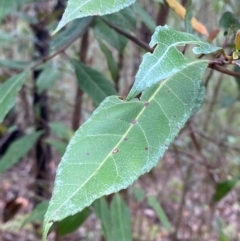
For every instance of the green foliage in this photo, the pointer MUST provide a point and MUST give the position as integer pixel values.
(153, 202)
(229, 21)
(61, 130)
(37, 214)
(47, 78)
(18, 150)
(223, 188)
(71, 223)
(115, 222)
(102, 31)
(166, 59)
(82, 8)
(76, 29)
(101, 146)
(92, 82)
(139, 194)
(8, 93)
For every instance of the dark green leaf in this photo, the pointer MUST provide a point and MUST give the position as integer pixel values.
(121, 219)
(77, 28)
(17, 150)
(8, 93)
(94, 83)
(47, 78)
(72, 223)
(112, 65)
(102, 31)
(223, 188)
(229, 21)
(145, 17)
(152, 201)
(37, 214)
(125, 19)
(103, 213)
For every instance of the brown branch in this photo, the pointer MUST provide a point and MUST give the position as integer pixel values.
(133, 38)
(60, 50)
(79, 93)
(224, 70)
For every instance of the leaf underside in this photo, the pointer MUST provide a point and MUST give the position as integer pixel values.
(123, 140)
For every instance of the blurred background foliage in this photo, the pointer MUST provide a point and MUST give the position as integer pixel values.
(193, 193)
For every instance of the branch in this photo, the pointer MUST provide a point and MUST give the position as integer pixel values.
(224, 70)
(135, 39)
(60, 50)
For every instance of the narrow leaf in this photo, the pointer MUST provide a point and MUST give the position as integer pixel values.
(18, 150)
(60, 146)
(102, 31)
(121, 219)
(152, 201)
(72, 223)
(14, 64)
(103, 213)
(188, 17)
(47, 78)
(82, 8)
(145, 17)
(139, 194)
(77, 29)
(125, 19)
(61, 130)
(112, 65)
(8, 93)
(121, 141)
(94, 83)
(223, 188)
(166, 59)
(37, 214)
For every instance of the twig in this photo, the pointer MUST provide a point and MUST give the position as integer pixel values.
(224, 70)
(129, 36)
(223, 144)
(60, 50)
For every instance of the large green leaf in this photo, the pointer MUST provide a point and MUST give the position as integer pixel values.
(82, 8)
(121, 141)
(8, 93)
(95, 84)
(103, 31)
(17, 150)
(166, 59)
(77, 28)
